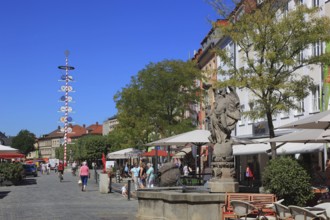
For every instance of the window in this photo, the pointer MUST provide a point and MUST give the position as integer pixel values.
(251, 105)
(301, 57)
(317, 49)
(315, 104)
(232, 51)
(301, 107)
(286, 8)
(284, 114)
(242, 121)
(316, 3)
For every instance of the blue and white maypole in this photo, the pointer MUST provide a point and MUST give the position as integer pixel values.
(66, 109)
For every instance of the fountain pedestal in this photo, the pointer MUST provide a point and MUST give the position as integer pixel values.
(223, 186)
(223, 169)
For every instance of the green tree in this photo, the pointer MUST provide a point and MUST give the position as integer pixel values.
(118, 139)
(288, 180)
(89, 147)
(270, 40)
(154, 104)
(24, 142)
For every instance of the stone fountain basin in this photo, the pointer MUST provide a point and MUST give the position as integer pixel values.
(193, 203)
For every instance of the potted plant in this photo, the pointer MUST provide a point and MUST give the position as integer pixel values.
(288, 180)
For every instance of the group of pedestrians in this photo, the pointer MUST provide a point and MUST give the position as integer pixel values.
(83, 172)
(143, 175)
(45, 168)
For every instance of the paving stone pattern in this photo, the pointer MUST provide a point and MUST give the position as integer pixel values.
(45, 197)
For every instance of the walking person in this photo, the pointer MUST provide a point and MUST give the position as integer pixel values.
(84, 175)
(74, 168)
(60, 170)
(56, 167)
(126, 170)
(142, 175)
(150, 176)
(43, 168)
(135, 175)
(48, 168)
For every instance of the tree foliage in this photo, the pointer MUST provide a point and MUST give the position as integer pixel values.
(24, 141)
(288, 180)
(270, 40)
(89, 148)
(155, 102)
(11, 171)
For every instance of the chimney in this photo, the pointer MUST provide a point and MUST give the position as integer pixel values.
(84, 126)
(58, 127)
(97, 123)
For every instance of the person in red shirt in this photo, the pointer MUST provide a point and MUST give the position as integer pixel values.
(249, 176)
(60, 170)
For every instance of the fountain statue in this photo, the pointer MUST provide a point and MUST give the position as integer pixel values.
(222, 119)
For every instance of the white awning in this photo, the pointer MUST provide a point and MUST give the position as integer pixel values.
(4, 148)
(124, 154)
(288, 148)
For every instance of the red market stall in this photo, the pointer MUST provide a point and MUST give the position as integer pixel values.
(11, 155)
(152, 153)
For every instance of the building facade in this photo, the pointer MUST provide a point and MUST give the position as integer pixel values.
(109, 125)
(47, 144)
(318, 99)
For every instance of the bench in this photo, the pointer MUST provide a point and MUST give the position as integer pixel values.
(256, 199)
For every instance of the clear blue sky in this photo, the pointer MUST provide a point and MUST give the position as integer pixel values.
(109, 42)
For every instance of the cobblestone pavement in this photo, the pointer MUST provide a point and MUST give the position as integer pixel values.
(45, 197)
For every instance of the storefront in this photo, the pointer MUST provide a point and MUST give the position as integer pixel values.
(256, 156)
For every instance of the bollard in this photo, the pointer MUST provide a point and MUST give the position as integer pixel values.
(110, 187)
(128, 189)
(95, 175)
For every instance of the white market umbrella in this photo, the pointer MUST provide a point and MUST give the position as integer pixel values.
(304, 136)
(318, 121)
(4, 148)
(124, 154)
(196, 137)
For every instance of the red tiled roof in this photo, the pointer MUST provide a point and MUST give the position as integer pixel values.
(95, 129)
(54, 134)
(77, 131)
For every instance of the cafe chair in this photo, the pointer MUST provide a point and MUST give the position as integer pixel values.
(300, 213)
(282, 211)
(326, 206)
(243, 210)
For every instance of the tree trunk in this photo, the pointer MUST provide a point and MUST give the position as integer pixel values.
(271, 134)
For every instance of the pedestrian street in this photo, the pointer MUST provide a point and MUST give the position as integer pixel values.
(45, 197)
